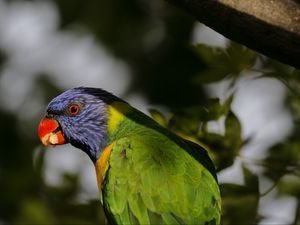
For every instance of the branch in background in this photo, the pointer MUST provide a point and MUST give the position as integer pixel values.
(271, 27)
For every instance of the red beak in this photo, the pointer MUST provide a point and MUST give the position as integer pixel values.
(50, 132)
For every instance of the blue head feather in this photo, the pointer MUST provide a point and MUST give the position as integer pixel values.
(88, 129)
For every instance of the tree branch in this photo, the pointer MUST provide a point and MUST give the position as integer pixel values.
(271, 27)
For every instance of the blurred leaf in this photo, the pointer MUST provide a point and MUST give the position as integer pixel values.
(294, 105)
(158, 117)
(241, 58)
(251, 181)
(224, 62)
(227, 147)
(212, 109)
(35, 212)
(226, 106)
(216, 61)
(80, 214)
(233, 136)
(282, 163)
(185, 121)
(66, 192)
(289, 184)
(281, 158)
(191, 123)
(209, 54)
(240, 202)
(285, 73)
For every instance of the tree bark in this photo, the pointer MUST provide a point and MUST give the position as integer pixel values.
(271, 27)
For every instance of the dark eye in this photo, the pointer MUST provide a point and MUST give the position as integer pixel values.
(73, 109)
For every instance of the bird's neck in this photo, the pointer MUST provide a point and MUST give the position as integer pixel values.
(124, 120)
(116, 117)
(117, 114)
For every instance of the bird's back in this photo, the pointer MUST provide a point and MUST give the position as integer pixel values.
(154, 180)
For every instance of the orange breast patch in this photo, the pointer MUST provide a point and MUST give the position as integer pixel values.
(102, 165)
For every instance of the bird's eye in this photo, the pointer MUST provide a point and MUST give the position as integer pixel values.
(73, 109)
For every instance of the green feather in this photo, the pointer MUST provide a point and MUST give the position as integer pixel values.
(156, 177)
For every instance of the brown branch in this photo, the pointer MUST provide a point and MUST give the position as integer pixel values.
(271, 27)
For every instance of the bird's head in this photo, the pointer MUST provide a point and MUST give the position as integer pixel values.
(78, 116)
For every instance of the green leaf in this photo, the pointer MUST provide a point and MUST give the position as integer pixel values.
(216, 61)
(185, 121)
(225, 147)
(289, 184)
(158, 117)
(233, 129)
(223, 62)
(239, 204)
(34, 212)
(295, 108)
(241, 58)
(281, 158)
(286, 74)
(226, 106)
(209, 54)
(251, 181)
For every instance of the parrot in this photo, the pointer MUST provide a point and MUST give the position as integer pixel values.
(146, 174)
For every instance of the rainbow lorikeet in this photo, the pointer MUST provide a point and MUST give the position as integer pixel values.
(145, 173)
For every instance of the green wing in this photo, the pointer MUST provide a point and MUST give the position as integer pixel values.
(151, 180)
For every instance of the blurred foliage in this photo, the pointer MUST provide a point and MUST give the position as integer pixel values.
(153, 38)
(240, 202)
(223, 63)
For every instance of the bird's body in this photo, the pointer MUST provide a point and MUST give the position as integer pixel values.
(146, 174)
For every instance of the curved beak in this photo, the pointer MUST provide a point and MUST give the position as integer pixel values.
(50, 132)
